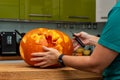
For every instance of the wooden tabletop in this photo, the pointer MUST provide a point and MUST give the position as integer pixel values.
(22, 71)
(10, 58)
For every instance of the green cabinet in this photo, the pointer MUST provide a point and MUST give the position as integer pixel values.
(77, 10)
(22, 9)
(60, 10)
(42, 9)
(48, 10)
(9, 9)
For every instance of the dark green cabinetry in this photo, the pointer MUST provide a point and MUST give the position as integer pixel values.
(9, 9)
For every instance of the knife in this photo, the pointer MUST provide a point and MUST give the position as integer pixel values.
(78, 40)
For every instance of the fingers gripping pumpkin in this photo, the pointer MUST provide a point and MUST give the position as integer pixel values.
(36, 38)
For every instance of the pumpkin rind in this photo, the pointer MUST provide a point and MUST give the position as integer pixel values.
(34, 39)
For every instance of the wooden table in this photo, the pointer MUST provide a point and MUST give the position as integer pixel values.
(22, 71)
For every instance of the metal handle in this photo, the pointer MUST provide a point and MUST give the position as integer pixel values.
(79, 17)
(40, 15)
(104, 17)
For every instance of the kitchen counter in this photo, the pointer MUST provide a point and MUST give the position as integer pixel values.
(22, 71)
(10, 58)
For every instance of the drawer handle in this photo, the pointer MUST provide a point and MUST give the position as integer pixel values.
(40, 15)
(79, 17)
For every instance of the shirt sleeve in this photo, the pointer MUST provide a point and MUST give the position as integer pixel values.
(110, 36)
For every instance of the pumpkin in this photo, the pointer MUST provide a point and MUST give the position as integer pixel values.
(34, 39)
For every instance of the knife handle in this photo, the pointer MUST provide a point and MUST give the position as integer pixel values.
(79, 41)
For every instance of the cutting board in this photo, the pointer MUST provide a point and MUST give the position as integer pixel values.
(22, 71)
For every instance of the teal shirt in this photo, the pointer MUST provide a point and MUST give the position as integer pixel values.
(110, 38)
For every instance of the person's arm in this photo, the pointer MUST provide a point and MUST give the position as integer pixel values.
(100, 58)
(93, 40)
(97, 62)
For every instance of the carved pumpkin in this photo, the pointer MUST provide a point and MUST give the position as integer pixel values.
(34, 39)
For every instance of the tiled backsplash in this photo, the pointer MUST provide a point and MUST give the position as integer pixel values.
(65, 27)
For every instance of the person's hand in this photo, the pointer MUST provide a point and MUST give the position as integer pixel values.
(86, 38)
(47, 58)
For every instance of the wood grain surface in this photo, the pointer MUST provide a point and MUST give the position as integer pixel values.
(22, 71)
(10, 58)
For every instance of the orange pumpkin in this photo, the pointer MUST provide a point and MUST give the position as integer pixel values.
(34, 39)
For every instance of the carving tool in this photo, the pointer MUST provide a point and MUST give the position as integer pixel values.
(78, 40)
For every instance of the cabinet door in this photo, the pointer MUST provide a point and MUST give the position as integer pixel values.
(22, 9)
(102, 9)
(9, 9)
(42, 9)
(77, 10)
